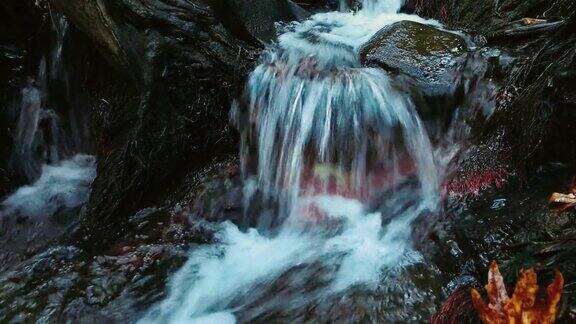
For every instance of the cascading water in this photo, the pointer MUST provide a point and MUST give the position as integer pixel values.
(58, 179)
(26, 130)
(321, 136)
(61, 186)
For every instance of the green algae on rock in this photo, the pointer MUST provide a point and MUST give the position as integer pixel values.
(422, 52)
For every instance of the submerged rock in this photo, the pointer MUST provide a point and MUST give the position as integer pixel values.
(421, 52)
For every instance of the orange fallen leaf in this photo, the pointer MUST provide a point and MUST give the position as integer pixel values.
(523, 307)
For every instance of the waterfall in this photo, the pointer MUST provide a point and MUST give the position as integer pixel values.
(378, 6)
(38, 137)
(320, 136)
(58, 176)
(26, 130)
(350, 121)
(373, 6)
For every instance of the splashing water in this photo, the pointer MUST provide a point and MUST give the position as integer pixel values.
(65, 185)
(321, 136)
(378, 6)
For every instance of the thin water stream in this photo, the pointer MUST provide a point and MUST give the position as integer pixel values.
(47, 148)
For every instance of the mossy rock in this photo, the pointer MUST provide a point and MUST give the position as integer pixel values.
(422, 52)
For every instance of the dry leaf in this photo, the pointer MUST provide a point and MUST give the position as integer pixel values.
(565, 201)
(563, 198)
(523, 307)
(532, 21)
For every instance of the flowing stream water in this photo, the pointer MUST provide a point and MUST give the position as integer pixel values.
(321, 136)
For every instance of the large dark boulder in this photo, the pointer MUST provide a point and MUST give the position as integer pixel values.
(535, 117)
(255, 20)
(323, 5)
(424, 53)
(180, 65)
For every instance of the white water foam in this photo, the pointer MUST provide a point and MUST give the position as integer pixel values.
(65, 185)
(244, 263)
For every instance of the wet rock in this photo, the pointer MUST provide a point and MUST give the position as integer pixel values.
(499, 62)
(421, 52)
(524, 233)
(457, 308)
(313, 3)
(22, 236)
(28, 290)
(185, 65)
(221, 200)
(76, 308)
(299, 12)
(323, 5)
(67, 284)
(59, 286)
(143, 216)
(255, 20)
(480, 167)
(516, 235)
(536, 98)
(408, 295)
(227, 197)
